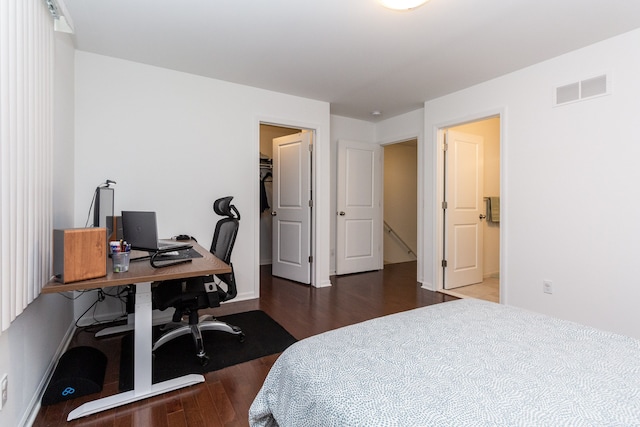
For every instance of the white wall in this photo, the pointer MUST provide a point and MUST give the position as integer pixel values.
(569, 204)
(175, 142)
(29, 348)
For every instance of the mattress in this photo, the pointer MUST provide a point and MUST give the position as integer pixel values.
(461, 363)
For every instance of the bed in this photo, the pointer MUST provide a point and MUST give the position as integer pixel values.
(460, 363)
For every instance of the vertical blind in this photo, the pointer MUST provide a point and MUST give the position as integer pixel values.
(26, 153)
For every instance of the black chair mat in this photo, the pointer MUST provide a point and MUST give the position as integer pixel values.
(263, 337)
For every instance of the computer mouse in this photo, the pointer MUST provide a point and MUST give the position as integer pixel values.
(184, 237)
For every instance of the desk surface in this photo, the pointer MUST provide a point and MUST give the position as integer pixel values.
(142, 271)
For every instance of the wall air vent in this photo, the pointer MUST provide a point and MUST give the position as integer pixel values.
(582, 90)
(568, 93)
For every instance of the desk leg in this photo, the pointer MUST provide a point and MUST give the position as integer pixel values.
(142, 384)
(143, 342)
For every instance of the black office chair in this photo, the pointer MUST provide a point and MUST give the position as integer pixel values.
(188, 296)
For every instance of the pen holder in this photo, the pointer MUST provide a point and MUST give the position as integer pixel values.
(120, 252)
(120, 261)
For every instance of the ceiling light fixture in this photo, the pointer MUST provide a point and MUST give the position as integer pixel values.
(402, 4)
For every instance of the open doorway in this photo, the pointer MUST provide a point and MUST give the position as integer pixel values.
(285, 182)
(400, 203)
(470, 222)
(377, 205)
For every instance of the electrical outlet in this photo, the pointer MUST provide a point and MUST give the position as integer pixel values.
(4, 384)
(547, 286)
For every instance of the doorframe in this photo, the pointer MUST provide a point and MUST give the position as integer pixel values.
(313, 127)
(438, 224)
(418, 198)
(420, 249)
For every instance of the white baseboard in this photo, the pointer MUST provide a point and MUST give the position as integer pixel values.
(243, 296)
(323, 284)
(427, 285)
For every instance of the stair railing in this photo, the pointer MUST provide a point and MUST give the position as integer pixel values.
(391, 231)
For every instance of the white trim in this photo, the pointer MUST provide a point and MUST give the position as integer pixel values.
(437, 153)
(320, 204)
(419, 196)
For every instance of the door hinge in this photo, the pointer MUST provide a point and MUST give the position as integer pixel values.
(311, 147)
(444, 205)
(310, 203)
(445, 146)
(310, 258)
(444, 263)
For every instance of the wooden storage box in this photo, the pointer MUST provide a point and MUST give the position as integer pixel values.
(79, 254)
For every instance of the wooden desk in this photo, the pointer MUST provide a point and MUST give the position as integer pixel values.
(141, 274)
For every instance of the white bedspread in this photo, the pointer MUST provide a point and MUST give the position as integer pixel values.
(460, 363)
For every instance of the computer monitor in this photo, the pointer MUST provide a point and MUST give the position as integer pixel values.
(103, 206)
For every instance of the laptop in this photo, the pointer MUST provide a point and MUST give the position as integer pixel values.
(140, 230)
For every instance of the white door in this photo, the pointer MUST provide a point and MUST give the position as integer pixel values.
(291, 209)
(464, 213)
(359, 208)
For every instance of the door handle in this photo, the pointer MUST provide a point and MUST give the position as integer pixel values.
(482, 216)
(341, 213)
(274, 213)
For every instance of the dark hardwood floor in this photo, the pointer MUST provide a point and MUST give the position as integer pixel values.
(224, 398)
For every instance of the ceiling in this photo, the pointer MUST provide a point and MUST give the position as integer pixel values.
(354, 54)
